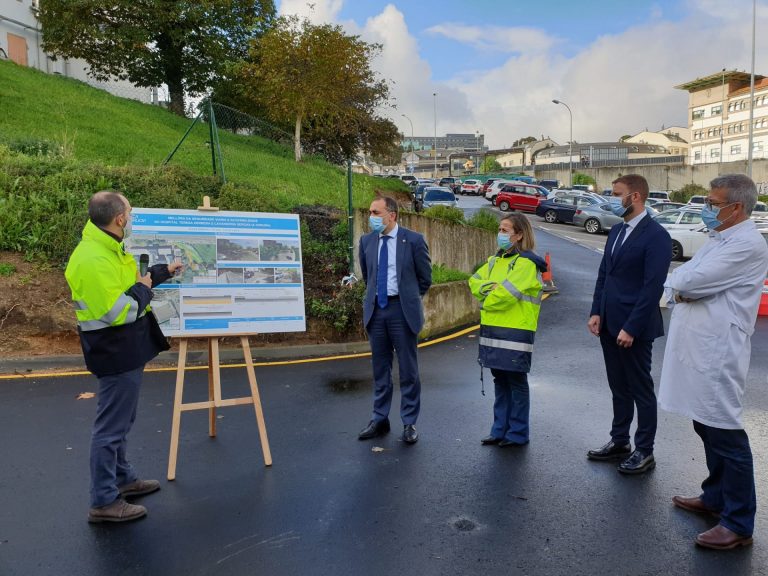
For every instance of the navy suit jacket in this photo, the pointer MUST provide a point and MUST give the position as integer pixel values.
(629, 286)
(414, 274)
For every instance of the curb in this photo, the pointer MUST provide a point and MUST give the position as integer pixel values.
(28, 367)
(73, 365)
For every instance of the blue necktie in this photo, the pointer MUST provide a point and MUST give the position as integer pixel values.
(619, 240)
(381, 275)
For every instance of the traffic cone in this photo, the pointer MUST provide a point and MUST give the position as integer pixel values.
(546, 278)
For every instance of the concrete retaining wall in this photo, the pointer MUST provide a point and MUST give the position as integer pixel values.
(454, 246)
(667, 177)
(448, 306)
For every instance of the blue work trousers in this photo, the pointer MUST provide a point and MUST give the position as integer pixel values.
(730, 486)
(118, 398)
(512, 406)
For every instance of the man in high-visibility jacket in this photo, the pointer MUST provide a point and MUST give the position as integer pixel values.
(119, 335)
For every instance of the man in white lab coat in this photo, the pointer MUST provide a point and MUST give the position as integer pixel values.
(717, 294)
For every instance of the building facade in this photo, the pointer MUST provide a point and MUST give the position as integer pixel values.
(448, 142)
(21, 42)
(718, 117)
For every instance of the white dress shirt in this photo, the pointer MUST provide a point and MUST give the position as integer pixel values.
(392, 289)
(631, 225)
(708, 346)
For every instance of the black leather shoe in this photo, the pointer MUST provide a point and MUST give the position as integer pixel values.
(490, 440)
(610, 451)
(637, 463)
(410, 436)
(374, 429)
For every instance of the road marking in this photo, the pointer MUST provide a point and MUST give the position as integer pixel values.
(451, 336)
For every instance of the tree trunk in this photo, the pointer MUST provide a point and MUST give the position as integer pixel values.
(174, 73)
(297, 139)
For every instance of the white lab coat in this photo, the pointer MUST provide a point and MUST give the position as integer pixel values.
(708, 346)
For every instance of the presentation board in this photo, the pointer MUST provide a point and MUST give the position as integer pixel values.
(242, 270)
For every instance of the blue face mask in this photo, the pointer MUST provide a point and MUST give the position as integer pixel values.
(709, 217)
(503, 241)
(619, 209)
(376, 223)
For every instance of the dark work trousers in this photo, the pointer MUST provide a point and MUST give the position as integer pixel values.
(629, 377)
(115, 413)
(389, 332)
(511, 407)
(730, 486)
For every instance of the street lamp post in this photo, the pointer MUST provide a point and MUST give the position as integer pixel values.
(477, 149)
(722, 119)
(411, 123)
(570, 144)
(750, 140)
(434, 94)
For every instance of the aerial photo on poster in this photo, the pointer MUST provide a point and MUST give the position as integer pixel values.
(242, 271)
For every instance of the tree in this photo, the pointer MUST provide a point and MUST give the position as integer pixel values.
(182, 44)
(489, 165)
(315, 76)
(579, 178)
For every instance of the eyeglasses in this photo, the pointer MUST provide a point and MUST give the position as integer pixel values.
(709, 204)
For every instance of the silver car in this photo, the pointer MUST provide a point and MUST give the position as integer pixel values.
(599, 218)
(439, 196)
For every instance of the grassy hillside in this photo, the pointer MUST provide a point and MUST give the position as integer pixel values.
(92, 127)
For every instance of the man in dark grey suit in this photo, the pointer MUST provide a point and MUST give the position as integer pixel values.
(398, 272)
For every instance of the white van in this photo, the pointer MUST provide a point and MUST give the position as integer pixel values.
(658, 195)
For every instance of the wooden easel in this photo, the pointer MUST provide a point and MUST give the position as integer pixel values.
(214, 398)
(214, 390)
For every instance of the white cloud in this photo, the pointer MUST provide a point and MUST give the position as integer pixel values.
(317, 11)
(496, 38)
(619, 84)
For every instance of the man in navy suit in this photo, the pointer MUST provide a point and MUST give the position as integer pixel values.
(398, 272)
(626, 316)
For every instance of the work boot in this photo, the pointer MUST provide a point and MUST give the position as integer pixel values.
(118, 511)
(139, 488)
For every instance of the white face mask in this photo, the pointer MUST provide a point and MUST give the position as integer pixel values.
(128, 228)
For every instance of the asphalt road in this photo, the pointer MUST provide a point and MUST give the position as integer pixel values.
(331, 505)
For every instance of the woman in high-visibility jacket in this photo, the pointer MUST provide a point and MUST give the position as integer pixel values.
(509, 289)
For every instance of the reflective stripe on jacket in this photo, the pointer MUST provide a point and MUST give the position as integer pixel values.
(509, 290)
(116, 333)
(99, 274)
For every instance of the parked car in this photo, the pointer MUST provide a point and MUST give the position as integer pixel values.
(596, 218)
(699, 200)
(584, 187)
(471, 187)
(663, 206)
(493, 190)
(487, 184)
(761, 208)
(599, 217)
(549, 184)
(686, 241)
(418, 196)
(514, 196)
(522, 178)
(562, 208)
(407, 178)
(439, 196)
(658, 194)
(687, 217)
(450, 182)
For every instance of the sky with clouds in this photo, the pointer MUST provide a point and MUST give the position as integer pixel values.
(496, 65)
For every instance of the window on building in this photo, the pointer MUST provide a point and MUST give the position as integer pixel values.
(731, 106)
(697, 156)
(697, 114)
(716, 110)
(757, 146)
(735, 149)
(714, 153)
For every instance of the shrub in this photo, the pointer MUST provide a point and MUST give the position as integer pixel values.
(454, 215)
(685, 193)
(442, 275)
(485, 220)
